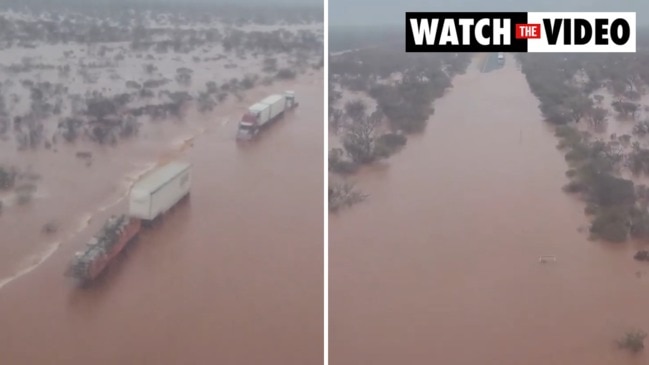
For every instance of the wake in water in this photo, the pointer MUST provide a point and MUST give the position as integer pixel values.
(32, 262)
(36, 261)
(127, 183)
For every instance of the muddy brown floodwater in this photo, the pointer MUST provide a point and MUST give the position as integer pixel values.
(441, 264)
(233, 277)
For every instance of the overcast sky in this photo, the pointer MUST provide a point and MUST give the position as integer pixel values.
(391, 12)
(319, 3)
(264, 2)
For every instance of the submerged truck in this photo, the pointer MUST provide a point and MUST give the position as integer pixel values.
(149, 199)
(262, 113)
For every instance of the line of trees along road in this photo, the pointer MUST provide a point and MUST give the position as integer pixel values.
(570, 90)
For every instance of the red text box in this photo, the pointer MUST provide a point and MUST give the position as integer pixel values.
(528, 31)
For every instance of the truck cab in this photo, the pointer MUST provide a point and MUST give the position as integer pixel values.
(290, 99)
(501, 58)
(249, 124)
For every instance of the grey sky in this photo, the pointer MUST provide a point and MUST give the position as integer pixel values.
(391, 12)
(319, 3)
(264, 2)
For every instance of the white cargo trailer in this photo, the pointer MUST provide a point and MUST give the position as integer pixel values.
(160, 190)
(262, 111)
(276, 105)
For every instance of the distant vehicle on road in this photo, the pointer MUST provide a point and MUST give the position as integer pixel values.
(501, 58)
(262, 113)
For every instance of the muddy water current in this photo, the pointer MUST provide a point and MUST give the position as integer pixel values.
(441, 264)
(232, 277)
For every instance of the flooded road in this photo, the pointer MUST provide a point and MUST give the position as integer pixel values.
(441, 264)
(233, 277)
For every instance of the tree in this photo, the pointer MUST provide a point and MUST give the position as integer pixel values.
(355, 109)
(150, 68)
(130, 127)
(179, 99)
(270, 65)
(359, 140)
(133, 84)
(608, 190)
(205, 102)
(343, 194)
(211, 87)
(610, 225)
(8, 176)
(388, 144)
(184, 78)
(641, 129)
(598, 118)
(69, 128)
(286, 74)
(640, 223)
(100, 108)
(248, 82)
(579, 105)
(599, 114)
(638, 160)
(335, 120)
(625, 108)
(338, 164)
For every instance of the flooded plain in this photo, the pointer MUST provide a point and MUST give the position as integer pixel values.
(441, 263)
(235, 275)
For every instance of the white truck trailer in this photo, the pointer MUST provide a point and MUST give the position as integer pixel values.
(159, 191)
(262, 113)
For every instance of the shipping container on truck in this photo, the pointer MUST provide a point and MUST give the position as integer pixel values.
(263, 113)
(159, 191)
(276, 106)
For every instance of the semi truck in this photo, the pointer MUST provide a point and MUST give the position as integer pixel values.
(264, 112)
(149, 199)
(501, 58)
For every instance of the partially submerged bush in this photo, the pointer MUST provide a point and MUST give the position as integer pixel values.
(343, 195)
(24, 198)
(642, 255)
(49, 228)
(388, 144)
(286, 74)
(339, 165)
(8, 177)
(610, 225)
(633, 341)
